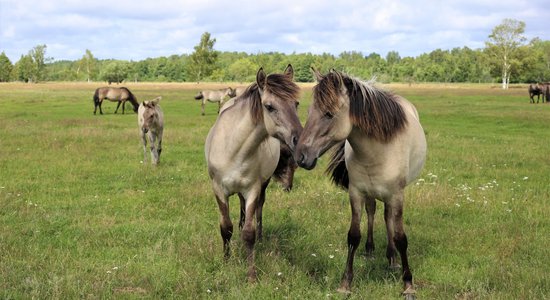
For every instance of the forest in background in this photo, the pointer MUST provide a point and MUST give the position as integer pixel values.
(507, 57)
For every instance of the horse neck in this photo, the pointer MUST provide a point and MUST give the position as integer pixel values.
(240, 129)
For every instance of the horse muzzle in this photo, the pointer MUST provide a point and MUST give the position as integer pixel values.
(305, 159)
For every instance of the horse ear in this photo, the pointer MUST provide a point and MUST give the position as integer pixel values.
(261, 78)
(316, 74)
(145, 103)
(156, 100)
(289, 71)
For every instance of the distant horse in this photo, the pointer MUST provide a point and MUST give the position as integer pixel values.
(537, 90)
(243, 149)
(214, 96)
(120, 95)
(239, 91)
(151, 126)
(380, 149)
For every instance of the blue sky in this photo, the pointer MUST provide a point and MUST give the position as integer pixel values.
(135, 30)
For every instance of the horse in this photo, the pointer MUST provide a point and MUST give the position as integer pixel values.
(380, 148)
(151, 126)
(284, 173)
(238, 91)
(214, 96)
(120, 95)
(242, 151)
(537, 90)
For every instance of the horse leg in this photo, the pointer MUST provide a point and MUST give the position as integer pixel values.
(259, 210)
(159, 148)
(242, 216)
(394, 210)
(354, 238)
(117, 106)
(202, 105)
(154, 153)
(123, 105)
(248, 233)
(100, 110)
(370, 207)
(144, 139)
(391, 250)
(226, 227)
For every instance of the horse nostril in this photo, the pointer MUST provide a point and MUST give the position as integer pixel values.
(294, 141)
(302, 159)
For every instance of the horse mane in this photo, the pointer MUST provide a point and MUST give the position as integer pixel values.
(373, 110)
(279, 85)
(132, 98)
(337, 166)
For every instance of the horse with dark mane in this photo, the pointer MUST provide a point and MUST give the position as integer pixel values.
(243, 150)
(380, 149)
(538, 90)
(120, 95)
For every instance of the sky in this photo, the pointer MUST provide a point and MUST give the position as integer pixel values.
(136, 30)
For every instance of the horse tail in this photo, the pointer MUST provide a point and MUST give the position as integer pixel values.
(199, 96)
(337, 167)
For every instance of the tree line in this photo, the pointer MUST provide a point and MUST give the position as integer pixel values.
(507, 58)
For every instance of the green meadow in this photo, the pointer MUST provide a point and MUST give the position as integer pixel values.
(82, 217)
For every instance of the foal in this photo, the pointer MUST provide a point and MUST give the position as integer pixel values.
(151, 126)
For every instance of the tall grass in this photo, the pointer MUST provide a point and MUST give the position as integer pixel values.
(81, 217)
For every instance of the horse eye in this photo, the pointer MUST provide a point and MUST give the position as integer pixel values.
(269, 108)
(329, 115)
(297, 104)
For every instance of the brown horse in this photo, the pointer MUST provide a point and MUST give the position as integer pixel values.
(381, 148)
(120, 95)
(243, 149)
(538, 90)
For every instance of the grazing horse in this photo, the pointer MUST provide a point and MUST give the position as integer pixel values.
(151, 126)
(120, 95)
(214, 96)
(536, 90)
(380, 149)
(243, 149)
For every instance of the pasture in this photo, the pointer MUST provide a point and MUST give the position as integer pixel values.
(81, 217)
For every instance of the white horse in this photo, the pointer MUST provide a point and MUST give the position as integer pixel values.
(381, 149)
(151, 126)
(242, 152)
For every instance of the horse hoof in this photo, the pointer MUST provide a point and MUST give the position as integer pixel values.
(409, 293)
(344, 291)
(344, 288)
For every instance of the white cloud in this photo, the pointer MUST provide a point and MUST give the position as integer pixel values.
(126, 29)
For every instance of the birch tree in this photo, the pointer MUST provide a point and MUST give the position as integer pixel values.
(503, 44)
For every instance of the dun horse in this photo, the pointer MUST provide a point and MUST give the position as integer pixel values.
(151, 126)
(380, 149)
(214, 96)
(243, 149)
(120, 95)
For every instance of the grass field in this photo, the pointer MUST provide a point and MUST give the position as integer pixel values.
(81, 217)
